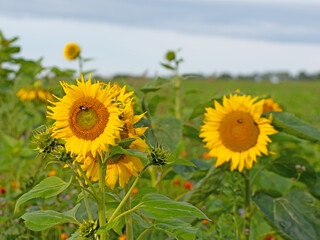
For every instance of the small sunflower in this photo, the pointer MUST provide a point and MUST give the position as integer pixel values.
(71, 51)
(34, 94)
(236, 131)
(86, 117)
(123, 166)
(270, 105)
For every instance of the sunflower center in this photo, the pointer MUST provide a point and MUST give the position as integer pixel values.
(238, 131)
(88, 118)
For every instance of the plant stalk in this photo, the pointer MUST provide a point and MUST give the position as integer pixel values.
(177, 83)
(101, 204)
(247, 204)
(128, 217)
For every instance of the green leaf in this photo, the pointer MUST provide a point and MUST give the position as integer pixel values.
(125, 143)
(44, 219)
(167, 66)
(176, 227)
(294, 215)
(168, 132)
(292, 125)
(290, 166)
(200, 108)
(179, 161)
(49, 187)
(158, 206)
(208, 185)
(117, 150)
(191, 132)
(153, 104)
(315, 190)
(136, 219)
(155, 85)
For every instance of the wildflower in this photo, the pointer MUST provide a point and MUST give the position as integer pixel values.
(134, 192)
(64, 236)
(14, 185)
(270, 105)
(269, 237)
(2, 190)
(122, 237)
(188, 185)
(206, 155)
(236, 132)
(52, 173)
(176, 182)
(86, 118)
(184, 153)
(71, 51)
(205, 221)
(297, 166)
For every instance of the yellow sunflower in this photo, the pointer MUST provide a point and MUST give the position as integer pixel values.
(122, 167)
(71, 51)
(34, 94)
(270, 105)
(86, 117)
(236, 131)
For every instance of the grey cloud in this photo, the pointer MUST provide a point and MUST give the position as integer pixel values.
(284, 22)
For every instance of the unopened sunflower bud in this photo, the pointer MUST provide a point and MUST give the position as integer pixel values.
(170, 56)
(43, 141)
(60, 154)
(158, 155)
(88, 228)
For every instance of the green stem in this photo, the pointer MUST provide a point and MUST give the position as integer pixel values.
(85, 201)
(177, 84)
(153, 176)
(247, 204)
(128, 217)
(126, 212)
(144, 233)
(127, 194)
(101, 204)
(80, 65)
(87, 179)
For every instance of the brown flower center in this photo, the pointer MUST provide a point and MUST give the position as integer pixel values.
(238, 131)
(88, 118)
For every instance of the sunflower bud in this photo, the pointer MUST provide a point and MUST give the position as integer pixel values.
(170, 56)
(44, 142)
(60, 154)
(88, 228)
(158, 155)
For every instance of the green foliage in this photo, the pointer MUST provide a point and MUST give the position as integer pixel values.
(294, 215)
(49, 187)
(44, 219)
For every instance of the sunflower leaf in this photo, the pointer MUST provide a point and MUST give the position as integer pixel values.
(155, 85)
(200, 109)
(294, 215)
(125, 143)
(115, 151)
(49, 187)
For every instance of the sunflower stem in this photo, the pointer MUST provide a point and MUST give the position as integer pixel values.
(101, 204)
(127, 194)
(247, 204)
(128, 216)
(87, 180)
(85, 200)
(177, 83)
(80, 65)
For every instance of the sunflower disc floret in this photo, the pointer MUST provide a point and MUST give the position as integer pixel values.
(236, 132)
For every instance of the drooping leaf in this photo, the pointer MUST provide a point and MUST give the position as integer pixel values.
(292, 125)
(155, 85)
(176, 227)
(208, 185)
(179, 161)
(200, 108)
(293, 215)
(158, 206)
(49, 187)
(167, 66)
(168, 132)
(44, 219)
(153, 104)
(291, 166)
(117, 150)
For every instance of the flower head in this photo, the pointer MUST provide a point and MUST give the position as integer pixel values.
(86, 118)
(71, 51)
(270, 105)
(236, 132)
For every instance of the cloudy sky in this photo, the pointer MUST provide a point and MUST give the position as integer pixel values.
(132, 36)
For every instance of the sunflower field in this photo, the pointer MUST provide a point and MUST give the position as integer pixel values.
(178, 157)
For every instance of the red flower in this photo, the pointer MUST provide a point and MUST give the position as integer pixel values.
(188, 185)
(2, 190)
(176, 182)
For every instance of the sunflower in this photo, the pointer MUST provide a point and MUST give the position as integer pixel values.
(86, 117)
(236, 131)
(123, 166)
(270, 105)
(34, 94)
(71, 51)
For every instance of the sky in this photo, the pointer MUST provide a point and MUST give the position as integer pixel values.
(132, 36)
